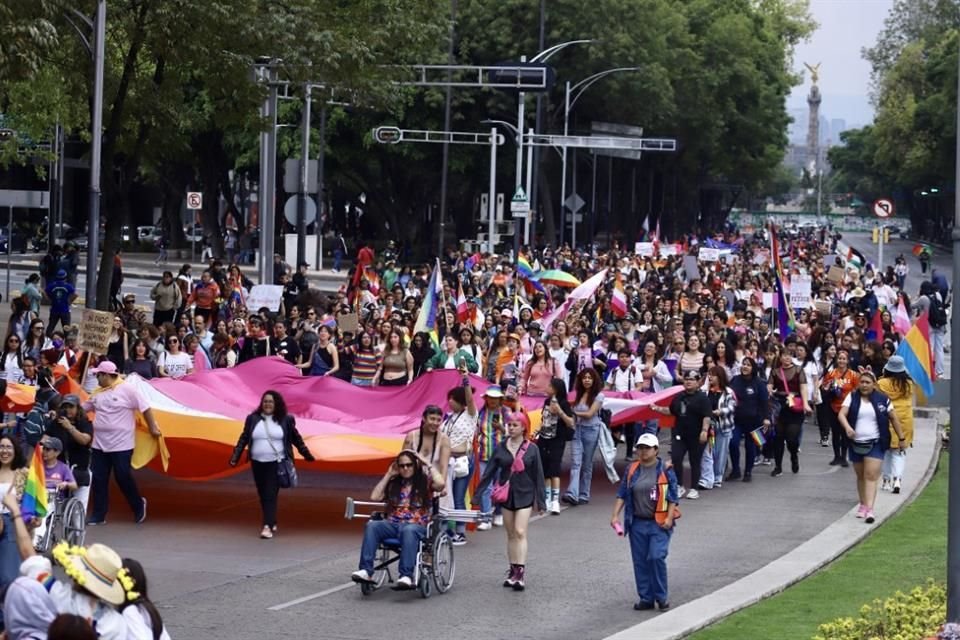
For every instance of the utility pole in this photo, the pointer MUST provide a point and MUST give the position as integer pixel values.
(96, 140)
(953, 502)
(446, 127)
(304, 179)
(537, 124)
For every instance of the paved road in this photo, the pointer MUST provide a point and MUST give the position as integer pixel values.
(209, 571)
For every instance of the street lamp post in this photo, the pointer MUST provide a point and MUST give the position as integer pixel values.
(96, 134)
(953, 505)
(568, 104)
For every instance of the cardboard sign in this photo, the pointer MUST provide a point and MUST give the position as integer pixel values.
(349, 322)
(824, 308)
(709, 255)
(95, 330)
(835, 275)
(265, 295)
(800, 293)
(690, 268)
(761, 257)
(643, 249)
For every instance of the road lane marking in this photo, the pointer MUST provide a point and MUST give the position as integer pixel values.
(312, 596)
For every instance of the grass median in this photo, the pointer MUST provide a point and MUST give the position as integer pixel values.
(902, 553)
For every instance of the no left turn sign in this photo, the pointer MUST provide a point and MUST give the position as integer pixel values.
(883, 208)
(194, 200)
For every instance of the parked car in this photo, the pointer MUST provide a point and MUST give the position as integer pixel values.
(196, 235)
(19, 242)
(64, 233)
(146, 233)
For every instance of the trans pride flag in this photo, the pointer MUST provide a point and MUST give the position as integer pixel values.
(34, 502)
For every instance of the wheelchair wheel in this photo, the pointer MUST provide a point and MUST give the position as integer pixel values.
(379, 576)
(425, 586)
(73, 523)
(444, 565)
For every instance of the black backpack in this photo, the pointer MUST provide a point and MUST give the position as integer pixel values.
(938, 313)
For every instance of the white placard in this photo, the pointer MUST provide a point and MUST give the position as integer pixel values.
(265, 295)
(669, 250)
(800, 293)
(709, 255)
(643, 249)
(768, 300)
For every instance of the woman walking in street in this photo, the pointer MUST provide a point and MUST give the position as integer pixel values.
(271, 433)
(868, 418)
(557, 422)
(517, 470)
(835, 387)
(586, 411)
(788, 384)
(751, 413)
(460, 427)
(896, 385)
(723, 402)
(648, 499)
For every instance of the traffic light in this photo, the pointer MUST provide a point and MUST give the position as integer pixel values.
(886, 235)
(876, 235)
(6, 134)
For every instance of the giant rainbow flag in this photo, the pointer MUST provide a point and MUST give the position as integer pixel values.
(348, 428)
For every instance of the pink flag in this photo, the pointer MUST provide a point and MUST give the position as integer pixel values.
(586, 290)
(901, 321)
(461, 304)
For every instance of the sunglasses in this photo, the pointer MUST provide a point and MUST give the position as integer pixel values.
(405, 465)
(172, 341)
(46, 448)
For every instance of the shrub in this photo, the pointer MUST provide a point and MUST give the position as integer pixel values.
(905, 616)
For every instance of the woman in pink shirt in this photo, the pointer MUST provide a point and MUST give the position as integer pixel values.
(539, 371)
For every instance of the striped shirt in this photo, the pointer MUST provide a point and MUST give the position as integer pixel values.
(490, 436)
(365, 365)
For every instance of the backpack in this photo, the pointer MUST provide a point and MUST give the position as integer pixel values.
(938, 313)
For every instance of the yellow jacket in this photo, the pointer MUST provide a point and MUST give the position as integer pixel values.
(902, 406)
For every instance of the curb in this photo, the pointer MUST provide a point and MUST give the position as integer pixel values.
(688, 618)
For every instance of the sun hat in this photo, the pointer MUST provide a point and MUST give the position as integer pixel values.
(493, 392)
(648, 440)
(94, 568)
(104, 367)
(895, 365)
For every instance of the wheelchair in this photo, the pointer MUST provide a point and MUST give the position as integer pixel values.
(66, 521)
(435, 567)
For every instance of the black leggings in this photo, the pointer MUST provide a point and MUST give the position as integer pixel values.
(824, 419)
(685, 443)
(789, 425)
(838, 437)
(268, 489)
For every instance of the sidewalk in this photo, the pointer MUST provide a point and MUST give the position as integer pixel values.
(803, 560)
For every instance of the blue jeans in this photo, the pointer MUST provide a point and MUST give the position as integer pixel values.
(649, 545)
(9, 557)
(750, 448)
(376, 531)
(583, 446)
(102, 463)
(337, 258)
(486, 503)
(721, 448)
(460, 486)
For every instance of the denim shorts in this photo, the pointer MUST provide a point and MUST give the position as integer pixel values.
(875, 452)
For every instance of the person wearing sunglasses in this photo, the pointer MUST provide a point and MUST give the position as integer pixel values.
(405, 489)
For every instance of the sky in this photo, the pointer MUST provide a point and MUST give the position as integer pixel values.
(846, 26)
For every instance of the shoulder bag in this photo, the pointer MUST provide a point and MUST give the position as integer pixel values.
(794, 402)
(501, 491)
(286, 471)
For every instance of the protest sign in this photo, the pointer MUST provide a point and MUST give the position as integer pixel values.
(349, 322)
(265, 295)
(690, 268)
(643, 249)
(824, 308)
(835, 275)
(95, 330)
(670, 250)
(800, 294)
(709, 255)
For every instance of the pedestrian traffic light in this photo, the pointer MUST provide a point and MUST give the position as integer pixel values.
(6, 134)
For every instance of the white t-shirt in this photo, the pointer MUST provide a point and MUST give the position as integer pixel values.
(866, 428)
(176, 365)
(138, 625)
(266, 444)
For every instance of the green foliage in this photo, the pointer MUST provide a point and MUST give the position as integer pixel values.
(905, 616)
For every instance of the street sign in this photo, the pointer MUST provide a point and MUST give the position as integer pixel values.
(194, 200)
(387, 135)
(290, 210)
(519, 205)
(520, 195)
(883, 208)
(574, 203)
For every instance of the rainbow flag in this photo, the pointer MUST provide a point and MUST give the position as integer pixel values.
(427, 319)
(917, 353)
(758, 438)
(524, 269)
(472, 261)
(34, 501)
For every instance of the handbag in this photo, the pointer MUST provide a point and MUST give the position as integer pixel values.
(501, 491)
(461, 466)
(794, 402)
(862, 448)
(286, 472)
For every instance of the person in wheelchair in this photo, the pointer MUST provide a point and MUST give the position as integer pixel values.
(73, 429)
(58, 475)
(405, 489)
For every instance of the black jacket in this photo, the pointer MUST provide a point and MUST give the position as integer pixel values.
(291, 438)
(526, 487)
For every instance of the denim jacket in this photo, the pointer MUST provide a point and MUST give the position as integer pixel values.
(665, 477)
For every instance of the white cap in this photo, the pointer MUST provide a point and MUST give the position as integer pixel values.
(648, 440)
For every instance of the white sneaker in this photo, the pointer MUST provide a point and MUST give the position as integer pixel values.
(681, 492)
(693, 494)
(405, 582)
(361, 575)
(555, 506)
(498, 520)
(885, 485)
(484, 526)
